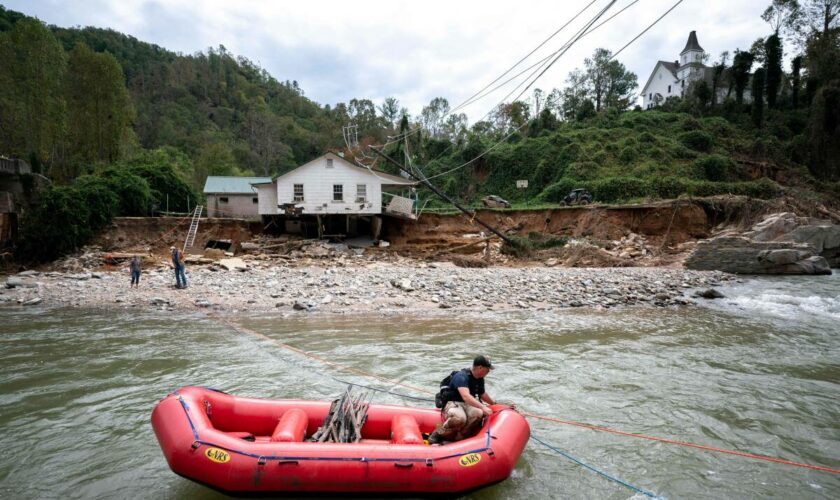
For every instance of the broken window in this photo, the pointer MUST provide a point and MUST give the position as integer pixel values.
(298, 192)
(223, 199)
(361, 193)
(255, 200)
(338, 192)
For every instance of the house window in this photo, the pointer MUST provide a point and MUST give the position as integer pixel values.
(329, 163)
(361, 193)
(223, 199)
(298, 192)
(650, 96)
(669, 89)
(338, 192)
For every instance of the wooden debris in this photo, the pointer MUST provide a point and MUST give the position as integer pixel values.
(345, 419)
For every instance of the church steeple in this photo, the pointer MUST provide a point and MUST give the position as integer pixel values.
(692, 54)
(692, 44)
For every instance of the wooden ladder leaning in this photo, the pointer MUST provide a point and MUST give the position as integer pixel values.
(193, 227)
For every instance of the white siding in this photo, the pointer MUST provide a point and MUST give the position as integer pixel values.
(268, 199)
(659, 83)
(318, 181)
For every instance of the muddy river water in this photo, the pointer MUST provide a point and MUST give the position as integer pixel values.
(758, 371)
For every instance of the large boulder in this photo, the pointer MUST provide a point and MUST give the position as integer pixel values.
(737, 254)
(825, 238)
(782, 243)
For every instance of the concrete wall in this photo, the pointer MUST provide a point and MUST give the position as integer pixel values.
(237, 205)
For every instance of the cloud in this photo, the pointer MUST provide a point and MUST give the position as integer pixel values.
(412, 51)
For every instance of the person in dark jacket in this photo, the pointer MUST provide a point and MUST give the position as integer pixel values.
(178, 262)
(134, 267)
(467, 403)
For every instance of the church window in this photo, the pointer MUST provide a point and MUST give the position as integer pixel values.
(650, 96)
(669, 89)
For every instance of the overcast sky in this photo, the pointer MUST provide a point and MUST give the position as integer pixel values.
(414, 51)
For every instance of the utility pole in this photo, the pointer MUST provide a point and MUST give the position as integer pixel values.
(445, 197)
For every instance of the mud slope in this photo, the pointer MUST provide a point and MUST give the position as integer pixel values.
(677, 222)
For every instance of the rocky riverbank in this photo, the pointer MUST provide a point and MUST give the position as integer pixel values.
(381, 287)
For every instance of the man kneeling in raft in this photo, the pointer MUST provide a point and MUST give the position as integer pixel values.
(464, 402)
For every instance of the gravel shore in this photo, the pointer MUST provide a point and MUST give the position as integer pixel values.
(386, 288)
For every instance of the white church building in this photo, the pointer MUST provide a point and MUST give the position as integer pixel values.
(673, 79)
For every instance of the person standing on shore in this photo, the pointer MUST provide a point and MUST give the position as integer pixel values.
(134, 267)
(178, 262)
(465, 403)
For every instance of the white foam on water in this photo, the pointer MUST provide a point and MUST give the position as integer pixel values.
(788, 306)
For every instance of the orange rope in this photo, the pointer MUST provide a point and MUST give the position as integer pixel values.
(242, 329)
(684, 443)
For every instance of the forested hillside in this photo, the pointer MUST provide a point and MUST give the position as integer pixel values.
(132, 128)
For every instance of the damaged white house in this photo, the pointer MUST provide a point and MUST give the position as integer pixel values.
(330, 196)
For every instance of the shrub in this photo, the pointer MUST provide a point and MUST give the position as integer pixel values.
(697, 140)
(691, 123)
(582, 170)
(668, 187)
(614, 189)
(557, 191)
(714, 167)
(133, 191)
(58, 225)
(628, 155)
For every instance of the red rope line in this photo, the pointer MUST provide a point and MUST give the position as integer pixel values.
(540, 417)
(684, 443)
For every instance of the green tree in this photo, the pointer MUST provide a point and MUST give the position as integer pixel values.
(32, 108)
(608, 82)
(100, 112)
(717, 76)
(432, 116)
(795, 83)
(758, 97)
(164, 170)
(773, 52)
(824, 133)
(740, 73)
(390, 110)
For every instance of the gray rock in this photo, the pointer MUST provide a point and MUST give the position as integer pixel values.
(202, 303)
(16, 282)
(80, 277)
(736, 254)
(159, 301)
(32, 302)
(29, 272)
(709, 293)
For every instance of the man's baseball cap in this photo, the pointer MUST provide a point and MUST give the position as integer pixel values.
(482, 360)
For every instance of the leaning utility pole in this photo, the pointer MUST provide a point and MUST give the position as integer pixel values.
(445, 197)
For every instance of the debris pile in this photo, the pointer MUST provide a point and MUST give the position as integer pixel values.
(632, 246)
(345, 420)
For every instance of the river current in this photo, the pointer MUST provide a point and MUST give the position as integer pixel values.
(757, 372)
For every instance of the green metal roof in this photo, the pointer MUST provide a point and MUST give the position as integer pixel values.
(232, 185)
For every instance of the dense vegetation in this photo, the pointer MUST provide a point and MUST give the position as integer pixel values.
(124, 127)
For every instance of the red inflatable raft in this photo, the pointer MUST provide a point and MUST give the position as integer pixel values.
(248, 445)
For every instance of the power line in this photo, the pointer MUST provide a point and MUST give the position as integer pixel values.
(497, 143)
(468, 100)
(538, 63)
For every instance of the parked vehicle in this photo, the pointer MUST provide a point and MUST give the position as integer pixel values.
(493, 201)
(578, 197)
